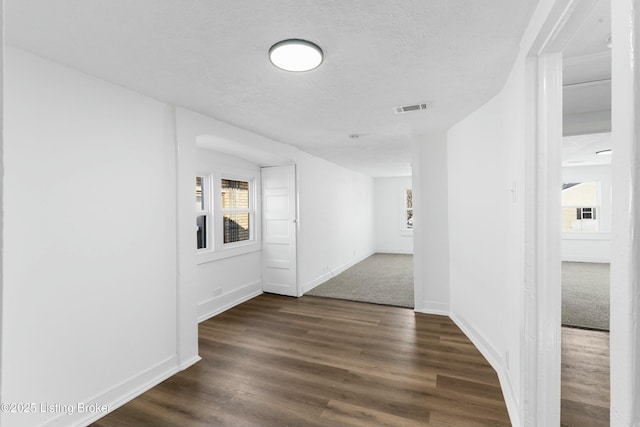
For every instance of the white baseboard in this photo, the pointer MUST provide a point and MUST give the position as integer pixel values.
(195, 359)
(117, 395)
(432, 307)
(214, 306)
(331, 273)
(497, 362)
(394, 251)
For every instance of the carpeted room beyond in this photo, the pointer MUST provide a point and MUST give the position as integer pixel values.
(388, 279)
(585, 295)
(380, 279)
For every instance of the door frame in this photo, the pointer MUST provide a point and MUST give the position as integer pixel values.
(541, 330)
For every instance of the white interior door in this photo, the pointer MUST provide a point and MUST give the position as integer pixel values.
(279, 230)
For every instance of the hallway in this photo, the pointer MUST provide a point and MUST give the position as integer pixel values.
(311, 361)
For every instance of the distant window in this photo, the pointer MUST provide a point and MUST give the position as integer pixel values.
(203, 211)
(408, 208)
(237, 210)
(580, 206)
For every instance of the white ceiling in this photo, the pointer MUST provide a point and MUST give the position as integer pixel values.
(211, 57)
(580, 150)
(587, 88)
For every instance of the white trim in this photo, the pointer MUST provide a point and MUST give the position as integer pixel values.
(595, 259)
(497, 362)
(586, 236)
(306, 287)
(393, 251)
(587, 59)
(540, 348)
(216, 305)
(433, 307)
(625, 167)
(188, 363)
(210, 255)
(120, 394)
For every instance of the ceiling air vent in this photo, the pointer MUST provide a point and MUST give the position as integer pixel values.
(407, 108)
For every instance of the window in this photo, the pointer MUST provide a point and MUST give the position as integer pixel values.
(203, 211)
(408, 208)
(580, 206)
(236, 209)
(227, 220)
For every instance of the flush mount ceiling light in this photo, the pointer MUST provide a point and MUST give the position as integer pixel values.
(604, 152)
(296, 55)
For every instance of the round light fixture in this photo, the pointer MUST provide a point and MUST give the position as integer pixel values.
(296, 55)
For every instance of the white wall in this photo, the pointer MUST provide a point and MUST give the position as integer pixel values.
(390, 216)
(590, 247)
(91, 226)
(335, 205)
(228, 277)
(89, 307)
(336, 219)
(431, 224)
(486, 230)
(486, 166)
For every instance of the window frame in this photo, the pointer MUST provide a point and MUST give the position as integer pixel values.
(250, 210)
(218, 249)
(404, 229)
(206, 210)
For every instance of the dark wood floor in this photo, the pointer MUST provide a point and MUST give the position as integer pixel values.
(315, 361)
(585, 378)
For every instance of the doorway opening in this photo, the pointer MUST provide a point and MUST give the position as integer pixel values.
(385, 277)
(586, 221)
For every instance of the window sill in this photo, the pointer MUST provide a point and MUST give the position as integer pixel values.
(406, 232)
(210, 255)
(580, 235)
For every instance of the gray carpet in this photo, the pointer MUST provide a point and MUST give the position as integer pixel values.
(585, 295)
(380, 279)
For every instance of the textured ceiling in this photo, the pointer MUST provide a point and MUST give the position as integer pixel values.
(211, 57)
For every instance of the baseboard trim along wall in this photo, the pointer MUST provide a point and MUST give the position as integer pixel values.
(393, 251)
(334, 272)
(214, 306)
(497, 362)
(432, 307)
(117, 395)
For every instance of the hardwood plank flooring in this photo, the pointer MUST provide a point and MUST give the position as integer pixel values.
(312, 361)
(585, 378)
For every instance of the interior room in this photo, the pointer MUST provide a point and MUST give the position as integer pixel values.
(427, 130)
(586, 221)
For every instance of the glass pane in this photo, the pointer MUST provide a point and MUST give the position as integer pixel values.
(236, 227)
(199, 198)
(201, 234)
(235, 194)
(409, 199)
(409, 218)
